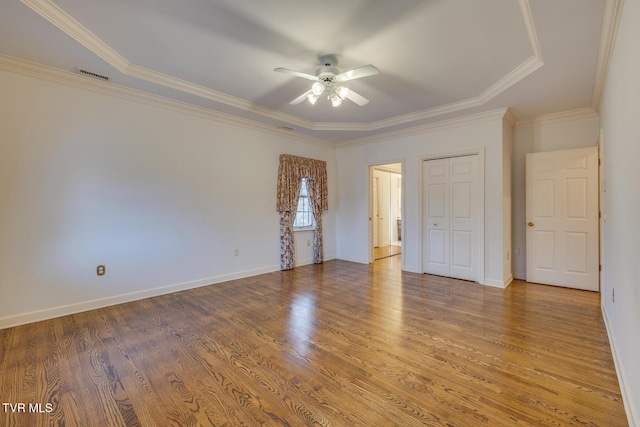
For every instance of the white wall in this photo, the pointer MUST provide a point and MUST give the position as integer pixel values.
(533, 138)
(303, 243)
(160, 197)
(620, 121)
(353, 203)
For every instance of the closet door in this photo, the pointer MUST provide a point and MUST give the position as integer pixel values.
(436, 217)
(452, 217)
(464, 217)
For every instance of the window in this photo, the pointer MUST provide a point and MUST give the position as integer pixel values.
(304, 215)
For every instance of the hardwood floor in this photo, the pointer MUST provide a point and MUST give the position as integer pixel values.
(339, 344)
(385, 251)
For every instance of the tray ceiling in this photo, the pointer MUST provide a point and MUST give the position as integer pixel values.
(438, 59)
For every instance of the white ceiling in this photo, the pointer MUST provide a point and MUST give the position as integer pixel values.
(438, 59)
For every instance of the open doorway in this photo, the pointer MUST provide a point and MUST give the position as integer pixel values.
(386, 210)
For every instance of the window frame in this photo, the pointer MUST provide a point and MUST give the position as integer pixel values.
(304, 194)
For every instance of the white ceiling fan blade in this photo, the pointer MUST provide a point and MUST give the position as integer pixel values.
(295, 73)
(301, 98)
(357, 98)
(357, 73)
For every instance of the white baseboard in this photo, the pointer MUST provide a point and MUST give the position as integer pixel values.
(502, 284)
(301, 262)
(508, 281)
(307, 261)
(358, 260)
(50, 313)
(629, 408)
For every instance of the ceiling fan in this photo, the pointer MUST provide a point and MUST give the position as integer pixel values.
(328, 79)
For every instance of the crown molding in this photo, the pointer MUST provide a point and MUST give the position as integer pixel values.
(349, 127)
(563, 116)
(526, 68)
(527, 17)
(68, 78)
(610, 21)
(171, 82)
(66, 23)
(523, 70)
(472, 119)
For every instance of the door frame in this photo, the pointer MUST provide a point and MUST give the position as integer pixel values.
(602, 211)
(480, 151)
(370, 168)
(375, 208)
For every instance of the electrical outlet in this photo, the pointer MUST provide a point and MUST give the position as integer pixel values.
(236, 252)
(308, 242)
(101, 270)
(508, 254)
(613, 294)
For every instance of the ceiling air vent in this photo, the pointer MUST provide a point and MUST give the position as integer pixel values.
(94, 75)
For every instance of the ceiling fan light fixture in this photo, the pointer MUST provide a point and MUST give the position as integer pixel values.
(335, 100)
(326, 81)
(312, 98)
(317, 88)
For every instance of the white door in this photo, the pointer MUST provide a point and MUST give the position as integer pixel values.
(452, 217)
(562, 218)
(436, 217)
(384, 198)
(464, 217)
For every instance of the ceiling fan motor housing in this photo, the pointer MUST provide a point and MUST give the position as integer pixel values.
(327, 74)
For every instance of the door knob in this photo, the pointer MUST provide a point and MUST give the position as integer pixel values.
(530, 224)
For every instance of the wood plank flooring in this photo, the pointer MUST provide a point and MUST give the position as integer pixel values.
(385, 251)
(338, 344)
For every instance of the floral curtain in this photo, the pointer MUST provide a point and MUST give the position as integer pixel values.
(291, 170)
(316, 207)
(287, 250)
